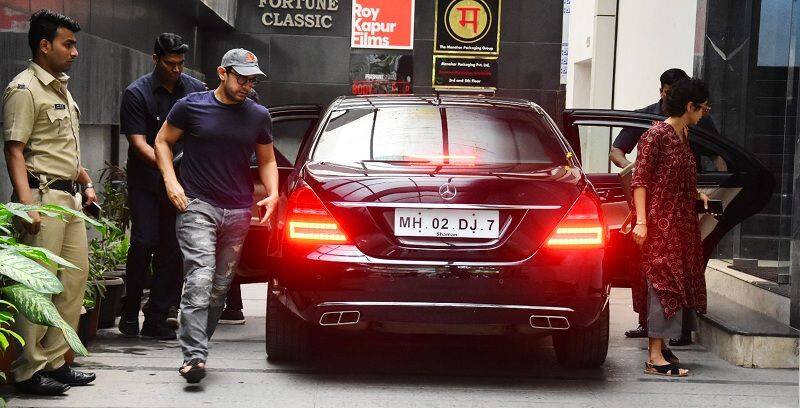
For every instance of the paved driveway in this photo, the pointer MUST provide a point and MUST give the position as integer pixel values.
(412, 371)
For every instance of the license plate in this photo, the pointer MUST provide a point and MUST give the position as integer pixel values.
(445, 223)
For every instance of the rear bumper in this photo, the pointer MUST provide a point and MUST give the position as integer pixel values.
(387, 293)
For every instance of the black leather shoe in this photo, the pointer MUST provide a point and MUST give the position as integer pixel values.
(158, 331)
(41, 384)
(637, 333)
(172, 318)
(681, 341)
(129, 328)
(65, 374)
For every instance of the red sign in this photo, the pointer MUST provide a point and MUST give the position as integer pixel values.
(378, 87)
(383, 24)
(13, 21)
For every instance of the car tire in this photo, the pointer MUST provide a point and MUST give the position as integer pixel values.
(287, 336)
(584, 347)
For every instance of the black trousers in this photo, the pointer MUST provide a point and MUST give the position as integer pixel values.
(153, 242)
(234, 299)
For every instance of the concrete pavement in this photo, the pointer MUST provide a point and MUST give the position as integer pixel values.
(411, 371)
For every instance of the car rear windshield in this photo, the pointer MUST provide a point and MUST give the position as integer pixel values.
(439, 135)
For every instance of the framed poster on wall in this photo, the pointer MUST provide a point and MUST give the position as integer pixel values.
(383, 24)
(372, 74)
(467, 27)
(464, 72)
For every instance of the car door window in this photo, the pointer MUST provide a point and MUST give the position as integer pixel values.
(709, 159)
(288, 136)
(596, 141)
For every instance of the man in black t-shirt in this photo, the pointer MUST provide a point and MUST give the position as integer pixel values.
(629, 137)
(220, 130)
(144, 108)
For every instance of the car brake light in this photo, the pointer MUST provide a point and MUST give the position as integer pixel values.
(581, 227)
(448, 158)
(309, 221)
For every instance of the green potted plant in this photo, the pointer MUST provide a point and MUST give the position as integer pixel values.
(103, 289)
(26, 285)
(107, 254)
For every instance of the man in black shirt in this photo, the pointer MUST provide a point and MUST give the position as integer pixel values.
(624, 143)
(629, 137)
(144, 108)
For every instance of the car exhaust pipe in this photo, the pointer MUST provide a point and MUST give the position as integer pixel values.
(549, 322)
(340, 318)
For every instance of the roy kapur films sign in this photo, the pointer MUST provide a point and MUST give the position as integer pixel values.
(383, 24)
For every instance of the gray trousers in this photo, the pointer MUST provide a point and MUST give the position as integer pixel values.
(659, 326)
(211, 242)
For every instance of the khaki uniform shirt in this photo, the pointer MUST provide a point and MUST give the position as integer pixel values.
(39, 111)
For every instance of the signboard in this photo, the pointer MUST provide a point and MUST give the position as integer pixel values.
(464, 72)
(467, 27)
(383, 24)
(373, 74)
(565, 41)
(298, 14)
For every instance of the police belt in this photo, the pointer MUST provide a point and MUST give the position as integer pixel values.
(64, 185)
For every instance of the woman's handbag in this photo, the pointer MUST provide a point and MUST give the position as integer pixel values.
(625, 178)
(627, 225)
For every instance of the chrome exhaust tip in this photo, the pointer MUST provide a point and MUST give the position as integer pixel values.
(340, 318)
(549, 322)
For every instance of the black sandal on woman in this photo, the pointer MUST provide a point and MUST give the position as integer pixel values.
(196, 371)
(668, 370)
(670, 356)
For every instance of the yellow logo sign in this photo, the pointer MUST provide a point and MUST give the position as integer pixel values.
(468, 20)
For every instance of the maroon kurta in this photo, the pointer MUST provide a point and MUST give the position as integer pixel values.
(672, 256)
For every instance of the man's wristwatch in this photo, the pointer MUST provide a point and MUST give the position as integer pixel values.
(641, 223)
(88, 186)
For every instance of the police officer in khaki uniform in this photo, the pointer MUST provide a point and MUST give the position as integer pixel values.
(42, 148)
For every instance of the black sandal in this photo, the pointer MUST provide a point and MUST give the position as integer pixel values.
(668, 370)
(670, 356)
(195, 373)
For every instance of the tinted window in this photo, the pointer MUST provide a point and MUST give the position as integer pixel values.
(439, 135)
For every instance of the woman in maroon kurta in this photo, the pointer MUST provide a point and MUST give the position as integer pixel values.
(667, 228)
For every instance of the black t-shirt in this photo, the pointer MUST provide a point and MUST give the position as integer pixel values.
(218, 141)
(628, 138)
(144, 108)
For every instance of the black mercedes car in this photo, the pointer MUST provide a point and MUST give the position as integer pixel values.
(456, 214)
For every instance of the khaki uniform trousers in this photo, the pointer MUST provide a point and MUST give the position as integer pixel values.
(45, 346)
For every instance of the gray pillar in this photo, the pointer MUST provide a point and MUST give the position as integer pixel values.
(795, 247)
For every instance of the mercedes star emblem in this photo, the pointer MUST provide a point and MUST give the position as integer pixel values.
(448, 191)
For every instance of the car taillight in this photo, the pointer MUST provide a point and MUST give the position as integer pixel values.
(582, 227)
(309, 221)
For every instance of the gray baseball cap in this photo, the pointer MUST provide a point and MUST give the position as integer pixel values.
(242, 61)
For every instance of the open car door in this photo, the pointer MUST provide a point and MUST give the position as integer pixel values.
(725, 172)
(291, 126)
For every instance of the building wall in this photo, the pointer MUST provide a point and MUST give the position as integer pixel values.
(307, 65)
(115, 47)
(617, 56)
(651, 38)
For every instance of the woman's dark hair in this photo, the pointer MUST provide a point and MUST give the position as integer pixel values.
(672, 76)
(681, 93)
(44, 26)
(169, 43)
